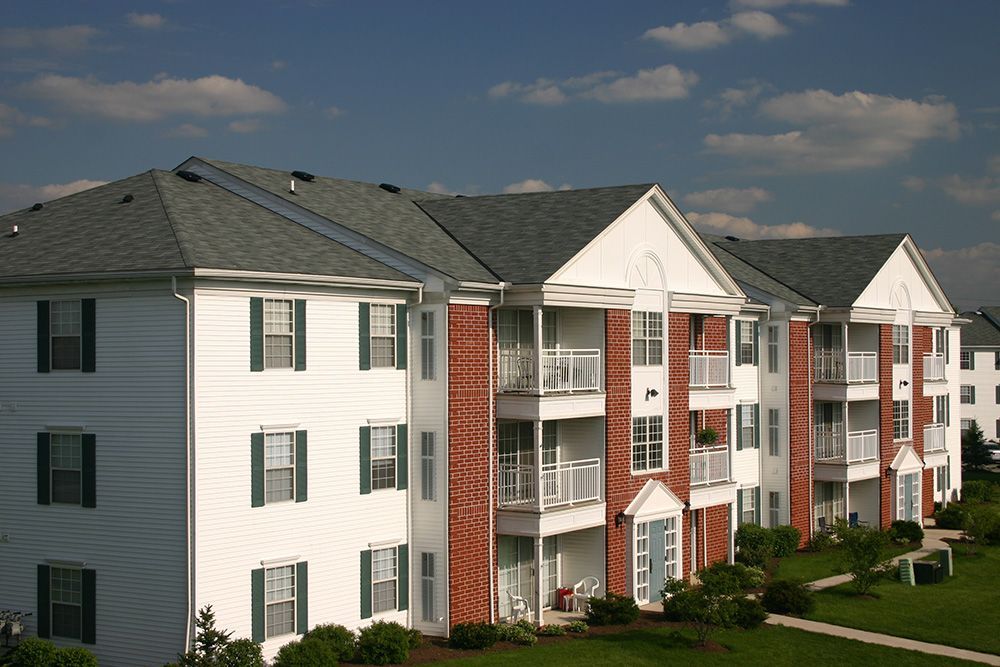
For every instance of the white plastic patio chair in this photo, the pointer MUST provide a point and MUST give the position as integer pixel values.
(518, 608)
(583, 590)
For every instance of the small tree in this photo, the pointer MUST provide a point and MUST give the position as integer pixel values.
(864, 553)
(209, 642)
(719, 602)
(975, 453)
(980, 522)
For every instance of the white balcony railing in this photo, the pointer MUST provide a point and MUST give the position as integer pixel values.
(933, 366)
(852, 367)
(561, 370)
(934, 438)
(564, 483)
(709, 464)
(708, 368)
(857, 446)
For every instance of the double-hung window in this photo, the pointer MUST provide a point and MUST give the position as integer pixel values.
(774, 507)
(384, 578)
(279, 467)
(967, 394)
(427, 607)
(900, 344)
(428, 490)
(747, 425)
(748, 505)
(773, 431)
(383, 335)
(647, 443)
(65, 330)
(66, 466)
(965, 360)
(900, 420)
(383, 457)
(279, 609)
(647, 338)
(427, 365)
(772, 348)
(66, 597)
(279, 333)
(746, 343)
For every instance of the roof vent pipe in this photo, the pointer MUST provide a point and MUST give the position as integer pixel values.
(14, 231)
(127, 199)
(291, 186)
(37, 207)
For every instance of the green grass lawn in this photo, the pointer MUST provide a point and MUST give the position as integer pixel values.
(988, 475)
(964, 611)
(768, 645)
(806, 566)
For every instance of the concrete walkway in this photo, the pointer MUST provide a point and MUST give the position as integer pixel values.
(884, 640)
(933, 540)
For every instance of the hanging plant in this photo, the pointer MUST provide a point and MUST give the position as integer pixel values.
(706, 437)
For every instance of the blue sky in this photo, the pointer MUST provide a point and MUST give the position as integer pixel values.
(762, 118)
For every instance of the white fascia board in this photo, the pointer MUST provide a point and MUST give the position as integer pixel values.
(572, 296)
(927, 274)
(307, 279)
(680, 302)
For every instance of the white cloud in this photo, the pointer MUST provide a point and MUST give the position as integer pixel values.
(849, 131)
(11, 117)
(666, 82)
(146, 21)
(126, 100)
(745, 228)
(14, 196)
(711, 34)
(968, 275)
(439, 188)
(730, 200)
(63, 38)
(188, 131)
(972, 191)
(778, 4)
(532, 185)
(731, 99)
(914, 183)
(333, 112)
(277, 65)
(245, 126)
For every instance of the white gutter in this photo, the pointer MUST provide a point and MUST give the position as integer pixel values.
(489, 325)
(189, 456)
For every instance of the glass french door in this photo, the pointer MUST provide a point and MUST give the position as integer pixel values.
(516, 561)
(908, 497)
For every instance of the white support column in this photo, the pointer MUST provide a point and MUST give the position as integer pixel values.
(731, 552)
(539, 584)
(539, 495)
(536, 328)
(847, 429)
(847, 500)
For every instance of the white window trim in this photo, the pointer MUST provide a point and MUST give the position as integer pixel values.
(291, 366)
(283, 467)
(746, 331)
(428, 467)
(52, 602)
(774, 432)
(293, 600)
(748, 492)
(773, 344)
(394, 458)
(645, 339)
(53, 469)
(428, 348)
(909, 423)
(663, 446)
(395, 578)
(78, 335)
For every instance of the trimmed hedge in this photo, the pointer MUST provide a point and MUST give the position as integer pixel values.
(749, 613)
(904, 532)
(785, 540)
(343, 642)
(305, 653)
(788, 597)
(755, 545)
(612, 609)
(384, 643)
(473, 635)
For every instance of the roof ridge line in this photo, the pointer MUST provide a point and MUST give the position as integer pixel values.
(170, 223)
(757, 268)
(548, 192)
(459, 243)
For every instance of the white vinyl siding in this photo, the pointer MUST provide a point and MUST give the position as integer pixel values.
(383, 335)
(428, 370)
(384, 576)
(647, 443)
(773, 432)
(279, 467)
(774, 508)
(279, 333)
(428, 483)
(66, 595)
(65, 459)
(279, 587)
(65, 330)
(647, 339)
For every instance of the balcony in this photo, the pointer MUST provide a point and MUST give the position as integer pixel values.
(571, 497)
(845, 376)
(935, 446)
(933, 367)
(708, 380)
(570, 383)
(709, 465)
(846, 457)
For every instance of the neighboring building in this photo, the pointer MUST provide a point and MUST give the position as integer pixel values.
(980, 371)
(307, 400)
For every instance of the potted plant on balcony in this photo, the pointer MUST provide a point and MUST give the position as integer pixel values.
(706, 437)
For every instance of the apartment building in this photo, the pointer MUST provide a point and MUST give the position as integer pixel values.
(980, 371)
(308, 400)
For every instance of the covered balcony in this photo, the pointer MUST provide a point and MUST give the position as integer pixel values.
(564, 483)
(845, 361)
(708, 369)
(709, 465)
(846, 440)
(934, 367)
(709, 360)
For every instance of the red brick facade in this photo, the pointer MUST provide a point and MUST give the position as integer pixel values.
(887, 448)
(715, 536)
(469, 478)
(800, 427)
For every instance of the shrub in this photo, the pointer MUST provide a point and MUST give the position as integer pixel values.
(978, 491)
(754, 544)
(951, 517)
(209, 642)
(736, 577)
(343, 642)
(305, 653)
(904, 532)
(612, 609)
(384, 643)
(242, 653)
(702, 608)
(821, 542)
(473, 635)
(981, 522)
(863, 552)
(749, 613)
(788, 597)
(785, 540)
(551, 630)
(522, 635)
(74, 657)
(416, 638)
(577, 627)
(33, 652)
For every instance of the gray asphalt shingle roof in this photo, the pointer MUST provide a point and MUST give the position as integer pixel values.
(391, 219)
(525, 238)
(832, 271)
(982, 331)
(171, 224)
(749, 275)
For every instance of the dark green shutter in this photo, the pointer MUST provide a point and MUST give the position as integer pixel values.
(972, 361)
(257, 605)
(739, 507)
(42, 612)
(256, 334)
(301, 598)
(972, 394)
(366, 584)
(947, 410)
(88, 451)
(998, 394)
(88, 598)
(756, 343)
(739, 427)
(43, 347)
(403, 572)
(756, 425)
(739, 343)
(256, 470)
(756, 505)
(88, 335)
(300, 334)
(44, 492)
(366, 459)
(402, 457)
(365, 336)
(301, 458)
(401, 328)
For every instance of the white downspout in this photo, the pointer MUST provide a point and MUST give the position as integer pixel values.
(189, 459)
(489, 326)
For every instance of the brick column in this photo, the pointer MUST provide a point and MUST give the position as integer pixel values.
(799, 427)
(887, 449)
(923, 412)
(678, 477)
